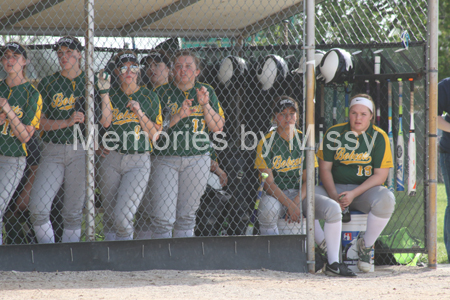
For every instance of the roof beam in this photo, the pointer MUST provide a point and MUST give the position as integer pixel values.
(274, 18)
(157, 15)
(27, 12)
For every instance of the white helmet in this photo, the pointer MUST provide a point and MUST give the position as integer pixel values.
(318, 55)
(231, 68)
(337, 66)
(274, 70)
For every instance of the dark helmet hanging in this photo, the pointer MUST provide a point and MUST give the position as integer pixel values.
(274, 70)
(232, 68)
(337, 66)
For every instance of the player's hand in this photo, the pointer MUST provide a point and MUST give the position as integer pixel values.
(293, 214)
(134, 107)
(2, 118)
(187, 109)
(202, 96)
(102, 151)
(77, 117)
(222, 176)
(30, 129)
(345, 199)
(103, 82)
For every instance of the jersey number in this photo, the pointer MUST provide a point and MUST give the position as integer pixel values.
(6, 127)
(137, 130)
(367, 171)
(196, 121)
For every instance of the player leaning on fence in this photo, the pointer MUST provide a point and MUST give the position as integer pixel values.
(280, 155)
(354, 162)
(63, 156)
(20, 109)
(124, 172)
(181, 167)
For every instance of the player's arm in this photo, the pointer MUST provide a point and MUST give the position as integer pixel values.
(273, 190)
(327, 178)
(442, 124)
(213, 119)
(146, 124)
(378, 178)
(17, 127)
(48, 124)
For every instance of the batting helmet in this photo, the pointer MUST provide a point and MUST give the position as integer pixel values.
(274, 70)
(231, 68)
(337, 66)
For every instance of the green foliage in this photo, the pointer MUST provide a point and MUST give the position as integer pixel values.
(444, 39)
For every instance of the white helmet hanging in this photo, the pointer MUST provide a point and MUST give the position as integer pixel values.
(231, 68)
(274, 70)
(337, 66)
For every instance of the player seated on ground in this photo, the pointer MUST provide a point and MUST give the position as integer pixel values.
(353, 173)
(282, 198)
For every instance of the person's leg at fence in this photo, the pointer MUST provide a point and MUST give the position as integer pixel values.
(74, 193)
(131, 189)
(444, 161)
(269, 212)
(163, 185)
(192, 182)
(12, 169)
(49, 179)
(143, 220)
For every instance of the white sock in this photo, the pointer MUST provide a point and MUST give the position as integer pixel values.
(44, 233)
(319, 236)
(375, 226)
(124, 238)
(183, 233)
(144, 235)
(333, 239)
(166, 235)
(269, 231)
(71, 236)
(110, 236)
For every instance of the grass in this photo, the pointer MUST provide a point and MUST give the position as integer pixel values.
(441, 205)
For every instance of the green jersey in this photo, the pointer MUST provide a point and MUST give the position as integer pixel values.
(190, 135)
(59, 95)
(354, 157)
(26, 102)
(130, 137)
(284, 158)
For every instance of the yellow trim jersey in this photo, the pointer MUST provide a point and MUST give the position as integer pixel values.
(190, 135)
(126, 124)
(355, 157)
(283, 157)
(26, 102)
(59, 95)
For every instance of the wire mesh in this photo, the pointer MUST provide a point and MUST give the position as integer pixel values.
(248, 52)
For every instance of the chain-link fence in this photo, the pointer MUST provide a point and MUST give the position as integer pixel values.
(188, 91)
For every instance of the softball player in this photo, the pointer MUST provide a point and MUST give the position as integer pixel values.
(20, 110)
(181, 166)
(355, 158)
(123, 173)
(157, 69)
(63, 156)
(280, 155)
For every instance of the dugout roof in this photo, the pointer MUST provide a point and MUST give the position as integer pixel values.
(142, 18)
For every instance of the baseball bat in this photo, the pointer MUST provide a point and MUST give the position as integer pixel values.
(377, 71)
(346, 100)
(251, 225)
(400, 141)
(322, 114)
(335, 106)
(412, 145)
(367, 87)
(390, 180)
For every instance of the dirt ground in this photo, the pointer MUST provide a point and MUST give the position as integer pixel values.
(385, 283)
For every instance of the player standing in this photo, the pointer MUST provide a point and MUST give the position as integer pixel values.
(157, 69)
(20, 110)
(355, 158)
(181, 167)
(63, 156)
(280, 155)
(123, 173)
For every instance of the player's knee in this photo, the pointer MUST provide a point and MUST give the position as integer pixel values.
(333, 212)
(385, 204)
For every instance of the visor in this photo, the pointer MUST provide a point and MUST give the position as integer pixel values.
(69, 42)
(14, 47)
(283, 104)
(126, 57)
(157, 58)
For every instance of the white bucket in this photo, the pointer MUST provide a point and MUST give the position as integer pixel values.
(284, 227)
(350, 232)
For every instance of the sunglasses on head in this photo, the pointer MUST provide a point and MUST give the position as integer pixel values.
(133, 69)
